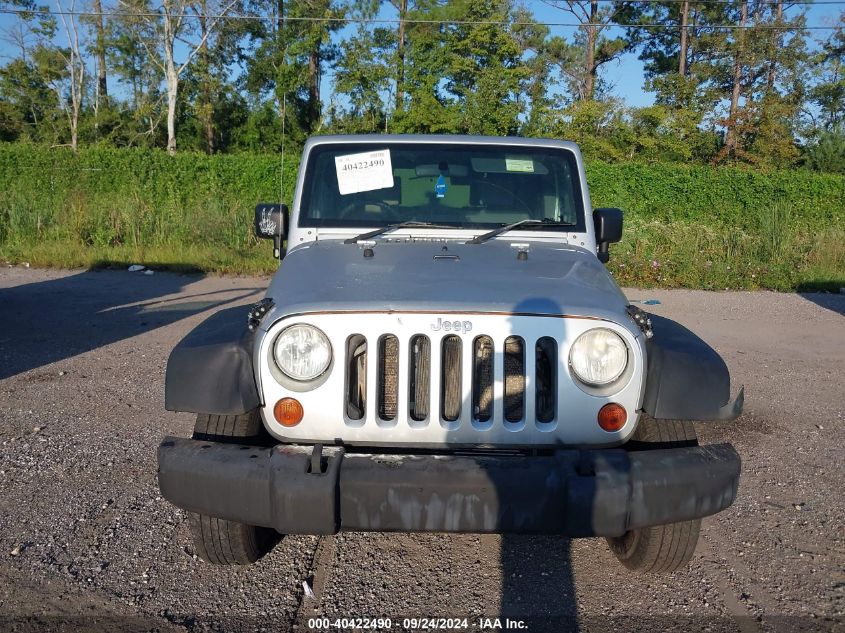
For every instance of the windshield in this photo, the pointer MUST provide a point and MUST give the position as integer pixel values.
(465, 186)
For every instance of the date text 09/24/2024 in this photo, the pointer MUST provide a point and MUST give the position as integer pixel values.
(417, 624)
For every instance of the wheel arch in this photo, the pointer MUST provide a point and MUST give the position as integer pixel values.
(686, 379)
(211, 369)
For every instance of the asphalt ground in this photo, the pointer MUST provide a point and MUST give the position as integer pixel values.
(87, 543)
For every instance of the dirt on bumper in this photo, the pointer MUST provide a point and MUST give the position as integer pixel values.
(578, 493)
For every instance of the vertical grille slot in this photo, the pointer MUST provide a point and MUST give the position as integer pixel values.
(450, 378)
(482, 378)
(545, 400)
(514, 378)
(388, 377)
(419, 377)
(356, 377)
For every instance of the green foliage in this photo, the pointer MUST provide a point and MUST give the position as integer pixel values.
(703, 226)
(597, 126)
(828, 91)
(757, 95)
(716, 196)
(699, 255)
(136, 198)
(29, 106)
(364, 70)
(464, 76)
(828, 153)
(282, 62)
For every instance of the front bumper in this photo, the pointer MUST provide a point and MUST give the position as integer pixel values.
(312, 490)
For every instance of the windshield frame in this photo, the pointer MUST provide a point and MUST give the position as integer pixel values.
(353, 145)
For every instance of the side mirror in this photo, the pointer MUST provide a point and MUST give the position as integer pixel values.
(271, 223)
(608, 224)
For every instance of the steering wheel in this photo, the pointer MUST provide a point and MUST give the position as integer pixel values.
(390, 212)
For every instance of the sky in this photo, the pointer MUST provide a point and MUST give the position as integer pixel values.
(625, 76)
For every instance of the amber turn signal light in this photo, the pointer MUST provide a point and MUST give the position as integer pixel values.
(612, 417)
(288, 412)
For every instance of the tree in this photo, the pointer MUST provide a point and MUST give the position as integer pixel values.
(402, 8)
(75, 69)
(486, 69)
(599, 127)
(779, 90)
(827, 153)
(532, 39)
(828, 93)
(427, 106)
(738, 65)
(582, 59)
(310, 47)
(764, 90)
(129, 59)
(213, 92)
(293, 49)
(363, 73)
(169, 22)
(98, 48)
(28, 106)
(750, 94)
(678, 59)
(465, 69)
(47, 65)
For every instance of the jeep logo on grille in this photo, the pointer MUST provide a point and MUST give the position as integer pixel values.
(452, 326)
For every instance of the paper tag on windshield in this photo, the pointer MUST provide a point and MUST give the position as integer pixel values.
(525, 165)
(364, 172)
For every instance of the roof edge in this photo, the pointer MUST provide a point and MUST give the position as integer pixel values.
(462, 139)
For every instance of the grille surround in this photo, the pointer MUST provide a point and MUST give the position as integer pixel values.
(573, 422)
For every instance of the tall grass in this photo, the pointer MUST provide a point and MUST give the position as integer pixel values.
(774, 226)
(694, 255)
(684, 226)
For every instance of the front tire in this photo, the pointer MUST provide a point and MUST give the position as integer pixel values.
(231, 429)
(661, 548)
(219, 541)
(222, 542)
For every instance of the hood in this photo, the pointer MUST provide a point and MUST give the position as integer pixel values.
(445, 276)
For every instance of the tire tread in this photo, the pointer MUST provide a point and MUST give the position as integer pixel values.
(219, 541)
(661, 548)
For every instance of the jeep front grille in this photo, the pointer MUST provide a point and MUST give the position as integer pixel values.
(419, 376)
(447, 368)
(514, 378)
(462, 379)
(388, 377)
(356, 377)
(482, 378)
(545, 399)
(450, 378)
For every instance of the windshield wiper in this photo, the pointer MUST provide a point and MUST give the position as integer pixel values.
(509, 227)
(410, 224)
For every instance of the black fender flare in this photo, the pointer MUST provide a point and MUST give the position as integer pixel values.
(686, 379)
(211, 369)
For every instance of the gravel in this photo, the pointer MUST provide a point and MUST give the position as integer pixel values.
(87, 543)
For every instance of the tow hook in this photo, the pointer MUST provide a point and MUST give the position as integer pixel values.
(318, 465)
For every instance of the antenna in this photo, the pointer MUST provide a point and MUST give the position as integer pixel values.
(277, 242)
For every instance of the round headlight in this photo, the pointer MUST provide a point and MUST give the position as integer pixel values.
(302, 352)
(598, 357)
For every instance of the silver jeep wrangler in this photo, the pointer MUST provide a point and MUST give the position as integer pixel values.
(443, 350)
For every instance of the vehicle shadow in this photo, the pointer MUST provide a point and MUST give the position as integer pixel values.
(48, 321)
(831, 301)
(538, 583)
